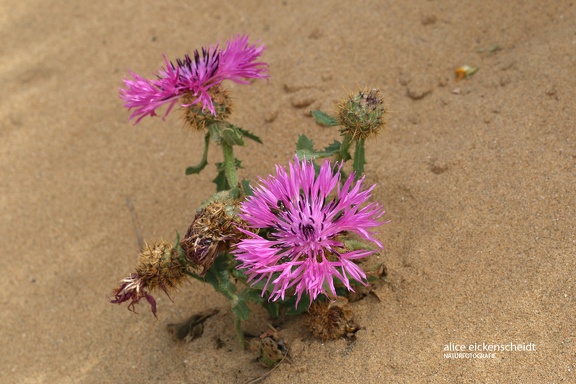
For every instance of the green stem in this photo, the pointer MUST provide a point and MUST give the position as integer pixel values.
(229, 164)
(359, 159)
(228, 294)
(239, 331)
(194, 276)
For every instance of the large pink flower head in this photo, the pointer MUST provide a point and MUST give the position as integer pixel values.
(194, 76)
(307, 216)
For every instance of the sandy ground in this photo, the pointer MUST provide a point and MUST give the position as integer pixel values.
(477, 177)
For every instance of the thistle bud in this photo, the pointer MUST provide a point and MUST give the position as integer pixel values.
(198, 117)
(158, 267)
(362, 114)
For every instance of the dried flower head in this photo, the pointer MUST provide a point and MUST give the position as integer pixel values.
(331, 321)
(214, 230)
(361, 114)
(158, 267)
(307, 218)
(270, 347)
(194, 77)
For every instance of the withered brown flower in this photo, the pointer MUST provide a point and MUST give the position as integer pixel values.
(213, 231)
(158, 267)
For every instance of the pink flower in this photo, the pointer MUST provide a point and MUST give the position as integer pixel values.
(306, 217)
(194, 76)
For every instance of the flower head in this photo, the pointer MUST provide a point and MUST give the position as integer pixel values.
(214, 229)
(194, 77)
(362, 114)
(307, 218)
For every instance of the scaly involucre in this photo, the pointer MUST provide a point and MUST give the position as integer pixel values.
(194, 76)
(307, 217)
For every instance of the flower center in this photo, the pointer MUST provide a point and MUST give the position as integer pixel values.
(308, 231)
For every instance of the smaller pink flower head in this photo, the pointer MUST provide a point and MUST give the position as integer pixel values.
(306, 215)
(194, 76)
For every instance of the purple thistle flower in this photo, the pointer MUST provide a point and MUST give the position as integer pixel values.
(307, 216)
(194, 76)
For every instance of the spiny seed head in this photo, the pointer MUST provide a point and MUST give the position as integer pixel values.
(159, 266)
(331, 320)
(361, 114)
(214, 230)
(198, 119)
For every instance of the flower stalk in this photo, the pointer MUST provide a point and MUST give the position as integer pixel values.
(229, 164)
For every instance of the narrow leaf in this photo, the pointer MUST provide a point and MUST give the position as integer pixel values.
(195, 169)
(249, 135)
(325, 119)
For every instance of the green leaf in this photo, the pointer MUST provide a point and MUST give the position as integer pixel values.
(232, 136)
(239, 275)
(325, 119)
(344, 153)
(195, 169)
(254, 295)
(219, 277)
(334, 147)
(225, 284)
(222, 263)
(240, 309)
(220, 180)
(302, 307)
(306, 154)
(212, 279)
(246, 187)
(214, 132)
(234, 193)
(304, 143)
(305, 149)
(272, 307)
(249, 135)
(354, 245)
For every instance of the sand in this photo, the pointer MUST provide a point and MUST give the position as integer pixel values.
(477, 177)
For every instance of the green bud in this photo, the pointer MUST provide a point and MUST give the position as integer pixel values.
(362, 114)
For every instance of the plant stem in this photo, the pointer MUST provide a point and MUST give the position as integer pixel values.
(229, 164)
(359, 159)
(239, 331)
